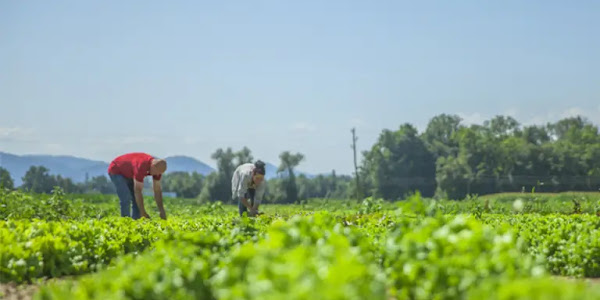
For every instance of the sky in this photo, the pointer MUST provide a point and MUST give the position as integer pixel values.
(96, 79)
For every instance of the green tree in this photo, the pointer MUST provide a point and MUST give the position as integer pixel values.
(399, 163)
(454, 177)
(324, 186)
(536, 135)
(5, 179)
(568, 128)
(218, 186)
(502, 126)
(440, 135)
(184, 184)
(288, 162)
(243, 156)
(38, 180)
(66, 184)
(100, 184)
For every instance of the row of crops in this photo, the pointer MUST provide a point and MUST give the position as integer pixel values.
(414, 249)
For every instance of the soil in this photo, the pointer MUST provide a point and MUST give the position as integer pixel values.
(12, 291)
(590, 281)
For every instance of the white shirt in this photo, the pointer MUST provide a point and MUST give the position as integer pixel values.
(242, 181)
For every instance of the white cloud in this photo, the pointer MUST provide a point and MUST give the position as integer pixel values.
(513, 112)
(304, 126)
(53, 148)
(528, 118)
(472, 118)
(358, 122)
(572, 112)
(190, 140)
(554, 116)
(123, 140)
(17, 134)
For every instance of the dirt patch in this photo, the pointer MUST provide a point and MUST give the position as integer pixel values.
(590, 281)
(12, 291)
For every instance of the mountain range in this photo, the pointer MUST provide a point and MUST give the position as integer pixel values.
(78, 168)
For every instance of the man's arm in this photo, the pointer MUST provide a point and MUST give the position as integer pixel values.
(139, 199)
(260, 192)
(246, 203)
(158, 198)
(240, 189)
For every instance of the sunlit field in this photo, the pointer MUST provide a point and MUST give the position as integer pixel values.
(506, 246)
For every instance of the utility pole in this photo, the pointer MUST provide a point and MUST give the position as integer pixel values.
(358, 189)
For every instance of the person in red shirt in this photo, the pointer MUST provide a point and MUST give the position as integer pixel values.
(127, 172)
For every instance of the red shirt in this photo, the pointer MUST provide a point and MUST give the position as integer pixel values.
(133, 165)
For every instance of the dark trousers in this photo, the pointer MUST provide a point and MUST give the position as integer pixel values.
(250, 196)
(126, 196)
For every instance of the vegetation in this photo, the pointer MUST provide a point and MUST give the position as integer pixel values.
(420, 248)
(448, 160)
(5, 179)
(313, 243)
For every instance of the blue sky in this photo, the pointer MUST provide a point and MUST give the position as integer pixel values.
(188, 77)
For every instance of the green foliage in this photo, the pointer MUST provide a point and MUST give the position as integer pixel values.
(399, 163)
(168, 272)
(304, 258)
(288, 162)
(370, 205)
(99, 184)
(322, 186)
(34, 249)
(454, 160)
(17, 205)
(444, 259)
(183, 184)
(38, 180)
(569, 244)
(537, 289)
(6, 181)
(420, 248)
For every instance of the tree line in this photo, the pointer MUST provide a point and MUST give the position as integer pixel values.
(287, 187)
(452, 160)
(448, 159)
(37, 179)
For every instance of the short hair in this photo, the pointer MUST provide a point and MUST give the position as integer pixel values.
(160, 165)
(259, 167)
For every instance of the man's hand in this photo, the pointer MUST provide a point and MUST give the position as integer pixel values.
(246, 204)
(253, 212)
(158, 198)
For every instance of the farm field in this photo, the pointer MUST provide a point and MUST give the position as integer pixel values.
(506, 246)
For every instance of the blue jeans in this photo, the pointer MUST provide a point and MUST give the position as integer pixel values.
(249, 195)
(126, 196)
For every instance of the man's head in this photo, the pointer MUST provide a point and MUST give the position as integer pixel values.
(258, 174)
(158, 166)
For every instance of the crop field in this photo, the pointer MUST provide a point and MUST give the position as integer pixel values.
(508, 246)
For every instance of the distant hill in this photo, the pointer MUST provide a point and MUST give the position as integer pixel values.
(187, 164)
(76, 168)
(66, 166)
(270, 170)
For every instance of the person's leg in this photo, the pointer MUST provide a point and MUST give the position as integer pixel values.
(123, 192)
(251, 193)
(135, 211)
(241, 207)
